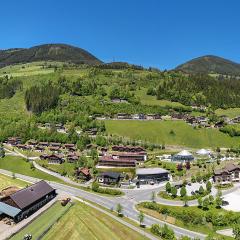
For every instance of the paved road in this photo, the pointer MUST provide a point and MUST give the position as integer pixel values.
(128, 203)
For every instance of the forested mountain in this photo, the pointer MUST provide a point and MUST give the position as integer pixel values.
(201, 89)
(210, 64)
(47, 52)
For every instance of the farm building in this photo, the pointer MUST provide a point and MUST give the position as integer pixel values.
(183, 156)
(25, 202)
(151, 175)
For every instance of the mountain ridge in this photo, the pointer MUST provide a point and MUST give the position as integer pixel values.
(210, 64)
(47, 52)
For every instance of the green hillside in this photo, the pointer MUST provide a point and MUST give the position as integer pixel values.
(160, 132)
(82, 92)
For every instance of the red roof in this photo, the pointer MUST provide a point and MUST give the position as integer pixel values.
(85, 171)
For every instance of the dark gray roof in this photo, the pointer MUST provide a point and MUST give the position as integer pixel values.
(29, 195)
(110, 174)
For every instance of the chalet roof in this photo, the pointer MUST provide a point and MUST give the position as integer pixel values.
(128, 153)
(228, 169)
(29, 195)
(85, 171)
(43, 143)
(114, 175)
(55, 144)
(69, 145)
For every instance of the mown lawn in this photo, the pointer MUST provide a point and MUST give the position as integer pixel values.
(159, 132)
(6, 181)
(40, 224)
(19, 165)
(85, 223)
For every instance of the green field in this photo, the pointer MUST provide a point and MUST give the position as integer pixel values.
(28, 69)
(85, 223)
(80, 222)
(19, 165)
(159, 132)
(230, 112)
(42, 223)
(152, 100)
(6, 181)
(60, 168)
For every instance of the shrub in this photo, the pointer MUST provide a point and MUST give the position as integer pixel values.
(164, 232)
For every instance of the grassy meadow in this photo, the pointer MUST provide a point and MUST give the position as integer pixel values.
(160, 132)
(85, 223)
(230, 112)
(78, 222)
(21, 166)
(152, 100)
(6, 181)
(38, 226)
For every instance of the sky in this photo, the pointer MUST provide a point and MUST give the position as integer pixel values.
(157, 33)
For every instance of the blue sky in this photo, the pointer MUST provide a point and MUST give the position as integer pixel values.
(159, 33)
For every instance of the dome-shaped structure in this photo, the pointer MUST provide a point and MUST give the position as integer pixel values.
(183, 156)
(203, 152)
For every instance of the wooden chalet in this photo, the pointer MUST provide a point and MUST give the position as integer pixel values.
(14, 141)
(109, 177)
(53, 144)
(153, 117)
(23, 146)
(53, 158)
(70, 147)
(120, 148)
(92, 131)
(32, 143)
(123, 116)
(231, 173)
(83, 174)
(54, 149)
(43, 144)
(72, 157)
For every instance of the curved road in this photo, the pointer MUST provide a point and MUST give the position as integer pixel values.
(128, 203)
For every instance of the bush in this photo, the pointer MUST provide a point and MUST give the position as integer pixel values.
(98, 189)
(164, 232)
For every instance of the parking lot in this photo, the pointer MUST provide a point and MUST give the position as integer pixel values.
(233, 200)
